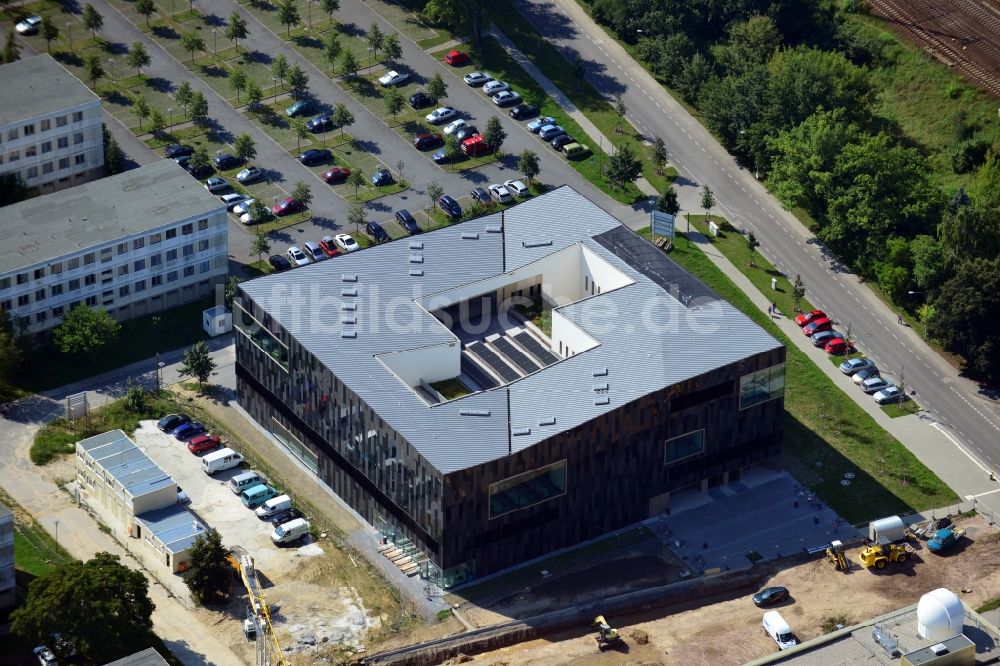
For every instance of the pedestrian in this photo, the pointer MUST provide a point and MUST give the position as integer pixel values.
(774, 307)
(768, 309)
(900, 319)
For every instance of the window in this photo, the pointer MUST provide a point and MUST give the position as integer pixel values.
(47, 167)
(172, 276)
(107, 277)
(11, 134)
(23, 300)
(32, 172)
(63, 142)
(79, 159)
(63, 162)
(106, 254)
(154, 239)
(202, 245)
(90, 280)
(684, 446)
(39, 295)
(527, 489)
(7, 305)
(46, 147)
(57, 289)
(187, 229)
(74, 284)
(123, 290)
(14, 156)
(122, 248)
(123, 270)
(73, 264)
(58, 311)
(4, 283)
(91, 301)
(77, 138)
(77, 116)
(89, 258)
(22, 278)
(188, 249)
(140, 286)
(46, 125)
(29, 130)
(31, 151)
(138, 243)
(39, 273)
(758, 387)
(139, 265)
(155, 260)
(156, 281)
(60, 121)
(204, 267)
(171, 233)
(56, 268)
(40, 316)
(188, 271)
(202, 225)
(171, 255)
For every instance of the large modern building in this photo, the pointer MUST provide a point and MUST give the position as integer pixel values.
(135, 243)
(50, 125)
(476, 435)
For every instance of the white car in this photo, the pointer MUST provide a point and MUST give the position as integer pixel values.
(438, 116)
(493, 87)
(346, 243)
(243, 207)
(455, 125)
(500, 193)
(216, 184)
(233, 200)
(297, 256)
(477, 78)
(890, 394)
(45, 656)
(506, 98)
(29, 25)
(517, 188)
(393, 78)
(182, 497)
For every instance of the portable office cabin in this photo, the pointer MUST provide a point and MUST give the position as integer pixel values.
(887, 530)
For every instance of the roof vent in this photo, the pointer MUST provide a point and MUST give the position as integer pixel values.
(416, 272)
(349, 291)
(470, 235)
(939, 649)
(416, 245)
(349, 334)
(494, 228)
(349, 277)
(601, 387)
(602, 400)
(601, 372)
(416, 258)
(517, 432)
(551, 420)
(474, 412)
(348, 307)
(536, 243)
(348, 319)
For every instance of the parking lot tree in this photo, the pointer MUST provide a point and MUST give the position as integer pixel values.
(391, 48)
(183, 95)
(357, 179)
(394, 102)
(288, 15)
(798, 292)
(208, 573)
(302, 192)
(254, 94)
(48, 31)
(145, 8)
(356, 216)
(376, 38)
(156, 121)
(475, 209)
(198, 108)
(528, 164)
(84, 330)
(434, 192)
(659, 155)
(279, 68)
(329, 7)
(332, 50)
(298, 81)
(197, 363)
(199, 160)
(452, 147)
(495, 134)
(100, 606)
(752, 245)
(437, 89)
(192, 42)
(624, 166)
(348, 65)
(238, 81)
(92, 68)
(236, 29)
(140, 107)
(245, 147)
(260, 246)
(400, 165)
(11, 50)
(138, 57)
(301, 130)
(92, 20)
(342, 117)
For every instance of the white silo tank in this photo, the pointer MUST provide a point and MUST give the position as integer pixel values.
(940, 615)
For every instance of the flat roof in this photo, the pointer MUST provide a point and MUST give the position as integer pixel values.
(127, 464)
(148, 657)
(662, 327)
(39, 85)
(133, 202)
(176, 527)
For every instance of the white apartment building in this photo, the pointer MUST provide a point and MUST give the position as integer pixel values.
(7, 582)
(50, 125)
(134, 243)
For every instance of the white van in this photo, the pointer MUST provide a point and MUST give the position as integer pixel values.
(220, 460)
(290, 531)
(779, 631)
(273, 506)
(241, 482)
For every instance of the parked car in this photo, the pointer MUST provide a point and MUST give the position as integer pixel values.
(890, 394)
(807, 317)
(874, 385)
(381, 177)
(300, 108)
(225, 161)
(314, 251)
(171, 421)
(500, 194)
(481, 195)
(315, 156)
(817, 325)
(517, 188)
(286, 206)
(838, 346)
(249, 175)
(440, 156)
(560, 141)
(248, 217)
(336, 174)
(574, 150)
(456, 58)
(426, 141)
(234, 199)
(450, 206)
(178, 150)
(441, 115)
(346, 243)
(42, 653)
(407, 221)
(216, 184)
(185, 163)
(320, 123)
(329, 246)
(823, 337)
(287, 515)
(297, 256)
(279, 263)
(455, 125)
(466, 132)
(506, 98)
(863, 374)
(203, 443)
(188, 430)
(852, 365)
(477, 78)
(182, 497)
(522, 111)
(493, 87)
(770, 595)
(29, 25)
(376, 232)
(420, 99)
(550, 132)
(393, 78)
(539, 123)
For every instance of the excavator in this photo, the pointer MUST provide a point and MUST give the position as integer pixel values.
(878, 555)
(835, 554)
(607, 637)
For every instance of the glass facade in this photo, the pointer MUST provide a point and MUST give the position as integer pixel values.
(295, 445)
(527, 489)
(761, 386)
(685, 446)
(260, 336)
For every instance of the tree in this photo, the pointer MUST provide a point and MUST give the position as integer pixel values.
(11, 50)
(357, 179)
(963, 316)
(156, 121)
(198, 108)
(579, 71)
(208, 573)
(279, 67)
(707, 200)
(236, 29)
(197, 363)
(85, 330)
(930, 263)
(114, 159)
(92, 68)
(394, 101)
(244, 147)
(258, 211)
(140, 107)
(298, 81)
(356, 216)
(348, 64)
(48, 30)
(329, 7)
(668, 201)
(138, 57)
(260, 246)
(697, 72)
(288, 15)
(238, 81)
(99, 606)
(659, 155)
(452, 147)
(146, 8)
(183, 95)
(672, 55)
(375, 39)
(301, 130)
(624, 167)
(495, 134)
(332, 50)
(400, 165)
(528, 164)
(805, 78)
(229, 295)
(466, 16)
(434, 192)
(254, 94)
(752, 245)
(798, 292)
(192, 42)
(303, 193)
(391, 48)
(199, 160)
(342, 117)
(437, 89)
(92, 20)
(620, 111)
(10, 350)
(751, 42)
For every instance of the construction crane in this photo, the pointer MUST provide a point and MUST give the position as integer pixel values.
(258, 612)
(835, 554)
(606, 636)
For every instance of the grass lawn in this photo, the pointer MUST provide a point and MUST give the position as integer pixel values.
(825, 438)
(258, 268)
(896, 410)
(35, 551)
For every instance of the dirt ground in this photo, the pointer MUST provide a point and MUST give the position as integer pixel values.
(728, 630)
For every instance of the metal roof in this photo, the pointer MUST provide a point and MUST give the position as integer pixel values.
(148, 657)
(40, 86)
(176, 527)
(655, 337)
(126, 463)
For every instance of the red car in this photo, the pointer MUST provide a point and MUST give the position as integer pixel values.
(807, 317)
(427, 141)
(838, 346)
(336, 174)
(817, 325)
(286, 206)
(203, 443)
(329, 246)
(456, 58)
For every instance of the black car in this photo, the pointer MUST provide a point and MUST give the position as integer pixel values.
(171, 421)
(178, 150)
(406, 221)
(279, 263)
(770, 595)
(450, 206)
(284, 516)
(522, 111)
(320, 123)
(482, 196)
(465, 132)
(376, 232)
(441, 156)
(315, 156)
(226, 161)
(561, 140)
(420, 99)
(381, 177)
(427, 141)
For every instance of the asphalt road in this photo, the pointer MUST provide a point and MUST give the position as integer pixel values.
(970, 409)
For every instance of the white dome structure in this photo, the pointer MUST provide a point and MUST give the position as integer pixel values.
(940, 615)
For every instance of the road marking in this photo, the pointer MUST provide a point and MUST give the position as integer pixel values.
(960, 447)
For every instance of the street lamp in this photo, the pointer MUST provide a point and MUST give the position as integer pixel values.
(69, 34)
(170, 118)
(310, 3)
(215, 41)
(274, 82)
(57, 532)
(111, 61)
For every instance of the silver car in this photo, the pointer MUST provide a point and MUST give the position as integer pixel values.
(477, 78)
(313, 251)
(855, 365)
